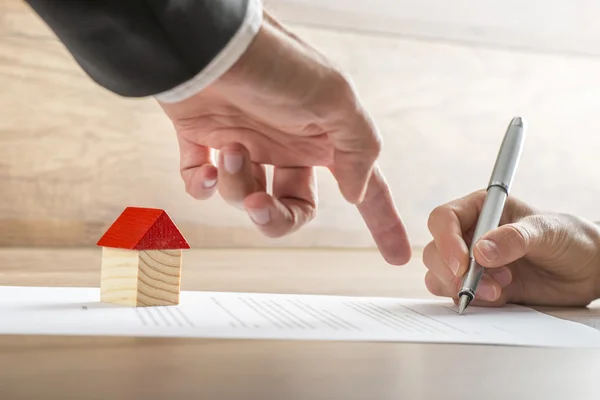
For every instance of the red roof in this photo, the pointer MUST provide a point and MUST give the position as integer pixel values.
(143, 229)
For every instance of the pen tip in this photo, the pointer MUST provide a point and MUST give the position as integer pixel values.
(463, 303)
(518, 121)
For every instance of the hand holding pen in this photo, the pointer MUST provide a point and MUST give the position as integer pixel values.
(530, 257)
(493, 205)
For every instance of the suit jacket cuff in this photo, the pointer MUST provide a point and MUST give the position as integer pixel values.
(170, 49)
(223, 61)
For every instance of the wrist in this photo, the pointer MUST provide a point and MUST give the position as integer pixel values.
(279, 64)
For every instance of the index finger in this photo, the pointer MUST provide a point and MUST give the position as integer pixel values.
(448, 224)
(383, 220)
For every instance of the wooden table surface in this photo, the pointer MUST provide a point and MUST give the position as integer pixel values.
(53, 367)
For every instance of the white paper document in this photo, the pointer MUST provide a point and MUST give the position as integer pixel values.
(77, 311)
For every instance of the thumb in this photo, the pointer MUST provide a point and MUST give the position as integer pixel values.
(507, 243)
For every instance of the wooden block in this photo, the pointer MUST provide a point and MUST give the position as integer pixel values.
(140, 277)
(118, 276)
(159, 277)
(141, 259)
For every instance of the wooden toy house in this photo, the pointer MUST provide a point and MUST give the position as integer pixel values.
(141, 259)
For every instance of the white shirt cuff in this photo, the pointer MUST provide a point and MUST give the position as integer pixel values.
(223, 61)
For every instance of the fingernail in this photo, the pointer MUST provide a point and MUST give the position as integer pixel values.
(454, 265)
(233, 162)
(210, 183)
(260, 215)
(503, 277)
(488, 249)
(487, 292)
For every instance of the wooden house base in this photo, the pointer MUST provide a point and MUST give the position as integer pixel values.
(140, 277)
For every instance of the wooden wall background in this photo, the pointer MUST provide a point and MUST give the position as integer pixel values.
(442, 80)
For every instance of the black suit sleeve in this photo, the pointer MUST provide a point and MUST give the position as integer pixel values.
(139, 48)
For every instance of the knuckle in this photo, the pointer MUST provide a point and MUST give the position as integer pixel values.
(278, 229)
(342, 84)
(310, 214)
(300, 214)
(429, 282)
(289, 222)
(376, 146)
(436, 215)
(432, 284)
(428, 253)
(186, 177)
(274, 233)
(190, 188)
(517, 236)
(515, 210)
(334, 95)
(369, 140)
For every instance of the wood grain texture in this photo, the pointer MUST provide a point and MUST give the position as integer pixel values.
(48, 368)
(119, 276)
(328, 272)
(561, 26)
(140, 278)
(129, 369)
(66, 165)
(159, 277)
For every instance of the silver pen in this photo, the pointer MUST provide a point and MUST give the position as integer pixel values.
(493, 205)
